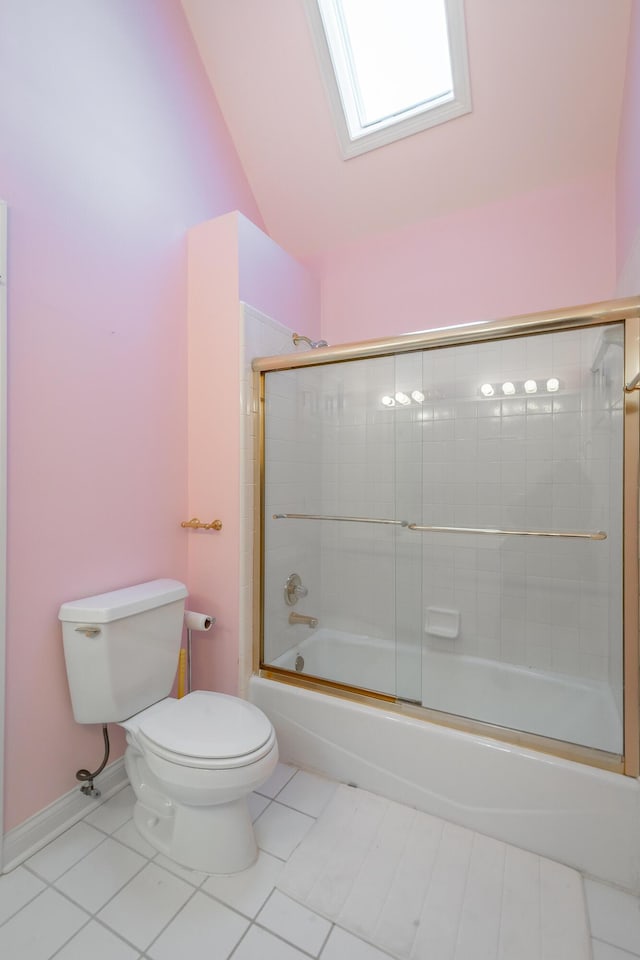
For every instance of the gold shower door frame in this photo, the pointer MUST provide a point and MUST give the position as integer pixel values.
(613, 311)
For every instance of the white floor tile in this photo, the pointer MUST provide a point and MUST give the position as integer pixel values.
(248, 890)
(257, 804)
(95, 942)
(280, 776)
(128, 833)
(65, 850)
(144, 907)
(40, 928)
(344, 946)
(279, 830)
(293, 922)
(113, 812)
(604, 951)
(262, 945)
(16, 889)
(307, 793)
(203, 929)
(99, 875)
(194, 877)
(614, 916)
(155, 906)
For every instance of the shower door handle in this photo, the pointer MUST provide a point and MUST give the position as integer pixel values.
(318, 516)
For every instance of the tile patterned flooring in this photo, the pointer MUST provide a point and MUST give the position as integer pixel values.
(100, 891)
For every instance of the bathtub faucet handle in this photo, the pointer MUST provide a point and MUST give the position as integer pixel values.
(294, 590)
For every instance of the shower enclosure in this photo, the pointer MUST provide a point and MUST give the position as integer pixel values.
(449, 524)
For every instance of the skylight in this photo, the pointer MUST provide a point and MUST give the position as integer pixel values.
(392, 67)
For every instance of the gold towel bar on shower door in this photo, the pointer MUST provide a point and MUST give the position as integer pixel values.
(317, 516)
(576, 535)
(597, 535)
(196, 524)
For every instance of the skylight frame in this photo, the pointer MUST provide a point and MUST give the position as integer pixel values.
(343, 99)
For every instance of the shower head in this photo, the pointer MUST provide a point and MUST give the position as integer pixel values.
(314, 344)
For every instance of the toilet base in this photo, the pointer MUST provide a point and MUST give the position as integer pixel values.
(217, 840)
(212, 832)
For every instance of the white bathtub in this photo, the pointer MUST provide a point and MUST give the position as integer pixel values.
(579, 815)
(552, 705)
(349, 658)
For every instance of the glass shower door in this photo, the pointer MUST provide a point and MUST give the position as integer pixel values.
(330, 519)
(445, 527)
(523, 625)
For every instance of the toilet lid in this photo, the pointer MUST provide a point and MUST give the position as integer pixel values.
(209, 726)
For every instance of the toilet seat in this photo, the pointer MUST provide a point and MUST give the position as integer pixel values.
(206, 730)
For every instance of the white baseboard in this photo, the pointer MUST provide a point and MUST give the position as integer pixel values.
(23, 841)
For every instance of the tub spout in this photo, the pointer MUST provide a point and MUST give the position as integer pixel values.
(300, 618)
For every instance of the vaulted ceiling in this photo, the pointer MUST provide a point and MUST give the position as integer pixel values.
(546, 85)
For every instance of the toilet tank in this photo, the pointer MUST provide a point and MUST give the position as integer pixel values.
(121, 649)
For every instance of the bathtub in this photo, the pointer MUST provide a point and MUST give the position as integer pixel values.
(350, 658)
(548, 704)
(576, 814)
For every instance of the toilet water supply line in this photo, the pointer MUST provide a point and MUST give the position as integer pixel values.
(192, 621)
(86, 777)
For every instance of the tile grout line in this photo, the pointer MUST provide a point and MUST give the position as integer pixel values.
(93, 916)
(623, 950)
(69, 939)
(332, 927)
(283, 939)
(169, 922)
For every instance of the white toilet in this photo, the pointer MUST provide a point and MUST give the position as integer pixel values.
(191, 762)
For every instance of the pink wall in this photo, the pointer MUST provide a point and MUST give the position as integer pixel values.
(214, 446)
(230, 259)
(628, 168)
(537, 251)
(275, 283)
(112, 146)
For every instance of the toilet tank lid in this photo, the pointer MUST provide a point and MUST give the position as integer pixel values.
(105, 607)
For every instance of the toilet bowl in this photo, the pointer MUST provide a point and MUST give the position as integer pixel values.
(192, 764)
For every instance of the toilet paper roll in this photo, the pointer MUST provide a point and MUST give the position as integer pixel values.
(198, 621)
